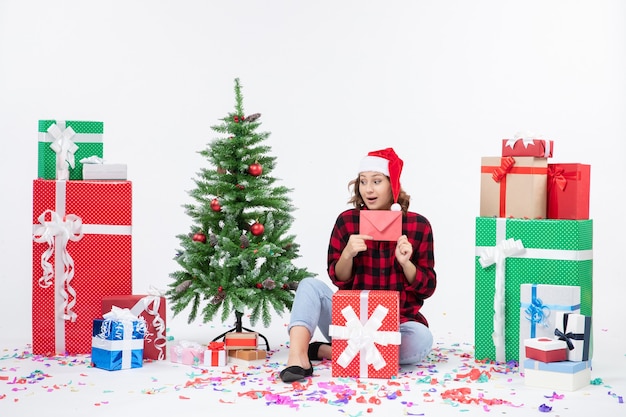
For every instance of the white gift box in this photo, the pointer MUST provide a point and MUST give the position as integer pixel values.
(575, 329)
(557, 376)
(104, 172)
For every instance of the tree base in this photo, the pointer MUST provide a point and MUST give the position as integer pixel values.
(239, 328)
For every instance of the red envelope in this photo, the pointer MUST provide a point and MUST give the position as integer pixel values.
(381, 224)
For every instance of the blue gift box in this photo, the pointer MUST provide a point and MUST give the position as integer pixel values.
(117, 344)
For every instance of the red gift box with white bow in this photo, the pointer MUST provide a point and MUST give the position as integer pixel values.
(82, 251)
(365, 331)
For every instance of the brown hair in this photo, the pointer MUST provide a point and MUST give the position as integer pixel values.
(403, 198)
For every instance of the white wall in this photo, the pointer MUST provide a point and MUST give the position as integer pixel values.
(442, 82)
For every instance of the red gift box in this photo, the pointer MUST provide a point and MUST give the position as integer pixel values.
(152, 309)
(365, 333)
(568, 191)
(513, 187)
(545, 349)
(82, 251)
(539, 148)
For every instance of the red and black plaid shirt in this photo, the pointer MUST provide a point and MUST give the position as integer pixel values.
(377, 269)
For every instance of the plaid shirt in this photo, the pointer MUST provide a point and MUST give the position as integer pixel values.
(377, 269)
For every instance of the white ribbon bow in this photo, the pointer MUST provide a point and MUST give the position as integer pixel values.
(58, 232)
(497, 255)
(362, 338)
(64, 147)
(526, 138)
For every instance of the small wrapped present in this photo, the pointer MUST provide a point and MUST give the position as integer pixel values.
(117, 341)
(215, 354)
(248, 354)
(513, 187)
(187, 353)
(104, 171)
(62, 145)
(575, 330)
(241, 340)
(557, 376)
(545, 349)
(366, 333)
(568, 191)
(527, 146)
(151, 307)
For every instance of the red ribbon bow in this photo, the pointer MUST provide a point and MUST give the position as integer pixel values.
(505, 166)
(556, 176)
(216, 346)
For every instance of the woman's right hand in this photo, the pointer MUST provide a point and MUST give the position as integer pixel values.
(356, 244)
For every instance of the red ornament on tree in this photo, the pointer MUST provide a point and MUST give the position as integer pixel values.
(215, 205)
(257, 229)
(259, 285)
(255, 169)
(241, 187)
(199, 237)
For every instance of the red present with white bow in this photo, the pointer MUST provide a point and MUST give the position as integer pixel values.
(151, 308)
(527, 145)
(82, 251)
(366, 333)
(215, 354)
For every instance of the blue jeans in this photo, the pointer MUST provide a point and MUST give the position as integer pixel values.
(312, 309)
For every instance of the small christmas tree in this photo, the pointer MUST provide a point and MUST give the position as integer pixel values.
(238, 255)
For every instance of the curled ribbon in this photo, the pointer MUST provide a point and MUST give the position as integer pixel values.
(363, 337)
(500, 172)
(64, 147)
(151, 304)
(497, 256)
(57, 232)
(537, 312)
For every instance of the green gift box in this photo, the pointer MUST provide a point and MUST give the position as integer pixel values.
(511, 252)
(85, 138)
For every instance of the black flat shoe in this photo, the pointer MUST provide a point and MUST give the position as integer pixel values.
(295, 373)
(314, 350)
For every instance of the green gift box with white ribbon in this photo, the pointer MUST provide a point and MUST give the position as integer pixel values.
(511, 252)
(63, 143)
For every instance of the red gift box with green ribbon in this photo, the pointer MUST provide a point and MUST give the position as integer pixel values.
(82, 252)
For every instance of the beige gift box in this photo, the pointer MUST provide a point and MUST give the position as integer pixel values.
(513, 187)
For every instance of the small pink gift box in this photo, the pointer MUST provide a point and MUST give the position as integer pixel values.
(187, 353)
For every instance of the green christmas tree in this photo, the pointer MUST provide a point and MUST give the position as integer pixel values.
(239, 254)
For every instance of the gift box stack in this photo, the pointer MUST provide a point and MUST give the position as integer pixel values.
(534, 229)
(82, 239)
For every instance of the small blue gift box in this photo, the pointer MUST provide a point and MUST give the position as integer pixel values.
(117, 344)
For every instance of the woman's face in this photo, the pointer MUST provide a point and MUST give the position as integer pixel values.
(375, 190)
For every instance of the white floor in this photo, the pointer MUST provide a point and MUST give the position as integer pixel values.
(68, 386)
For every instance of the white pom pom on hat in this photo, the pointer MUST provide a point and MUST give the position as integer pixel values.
(387, 162)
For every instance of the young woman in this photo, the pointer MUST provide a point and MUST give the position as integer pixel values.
(357, 261)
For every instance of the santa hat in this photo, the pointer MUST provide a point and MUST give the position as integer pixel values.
(387, 162)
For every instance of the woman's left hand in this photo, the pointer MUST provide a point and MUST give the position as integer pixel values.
(404, 250)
